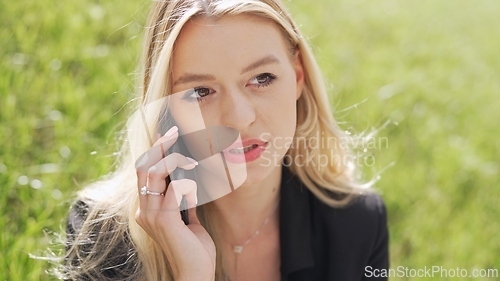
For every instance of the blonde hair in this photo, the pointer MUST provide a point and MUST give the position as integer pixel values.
(114, 200)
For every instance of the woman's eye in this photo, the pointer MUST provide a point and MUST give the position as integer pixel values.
(198, 93)
(202, 92)
(263, 79)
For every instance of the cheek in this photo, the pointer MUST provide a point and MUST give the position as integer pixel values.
(188, 118)
(284, 113)
(290, 121)
(288, 103)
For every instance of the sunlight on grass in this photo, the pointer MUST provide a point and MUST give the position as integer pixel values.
(428, 69)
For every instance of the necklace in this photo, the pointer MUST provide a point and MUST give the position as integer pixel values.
(238, 249)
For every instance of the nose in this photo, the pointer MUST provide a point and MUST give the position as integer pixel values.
(238, 110)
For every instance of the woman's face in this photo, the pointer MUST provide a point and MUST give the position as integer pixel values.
(244, 77)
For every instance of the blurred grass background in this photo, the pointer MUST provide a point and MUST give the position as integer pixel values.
(428, 69)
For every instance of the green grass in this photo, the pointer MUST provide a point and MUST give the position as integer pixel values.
(429, 68)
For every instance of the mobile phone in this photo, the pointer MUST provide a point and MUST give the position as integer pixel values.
(210, 141)
(178, 174)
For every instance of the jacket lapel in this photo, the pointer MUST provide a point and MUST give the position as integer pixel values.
(295, 225)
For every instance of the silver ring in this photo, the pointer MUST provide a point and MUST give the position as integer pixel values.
(145, 191)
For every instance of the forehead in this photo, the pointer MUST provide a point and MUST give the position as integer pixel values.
(227, 41)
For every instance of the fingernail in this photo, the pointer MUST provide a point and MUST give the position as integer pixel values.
(192, 161)
(171, 132)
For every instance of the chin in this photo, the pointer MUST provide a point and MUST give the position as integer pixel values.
(259, 173)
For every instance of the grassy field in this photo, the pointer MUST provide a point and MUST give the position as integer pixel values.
(428, 69)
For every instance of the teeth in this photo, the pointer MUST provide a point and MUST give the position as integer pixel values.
(242, 150)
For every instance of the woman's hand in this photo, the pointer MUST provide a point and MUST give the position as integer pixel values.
(189, 248)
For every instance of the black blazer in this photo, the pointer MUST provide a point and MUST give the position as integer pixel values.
(318, 242)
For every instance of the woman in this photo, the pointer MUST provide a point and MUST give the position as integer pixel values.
(290, 215)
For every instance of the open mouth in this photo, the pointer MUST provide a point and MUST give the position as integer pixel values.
(242, 150)
(246, 151)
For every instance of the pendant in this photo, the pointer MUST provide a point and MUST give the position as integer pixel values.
(238, 249)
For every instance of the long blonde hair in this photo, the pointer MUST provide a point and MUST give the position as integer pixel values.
(114, 200)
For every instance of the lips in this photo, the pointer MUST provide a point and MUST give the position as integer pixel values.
(242, 150)
(247, 150)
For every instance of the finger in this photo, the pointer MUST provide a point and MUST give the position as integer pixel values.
(155, 183)
(156, 152)
(159, 172)
(171, 162)
(151, 181)
(192, 197)
(193, 216)
(172, 131)
(169, 206)
(142, 179)
(183, 187)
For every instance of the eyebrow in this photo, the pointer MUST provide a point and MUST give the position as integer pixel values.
(190, 77)
(270, 59)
